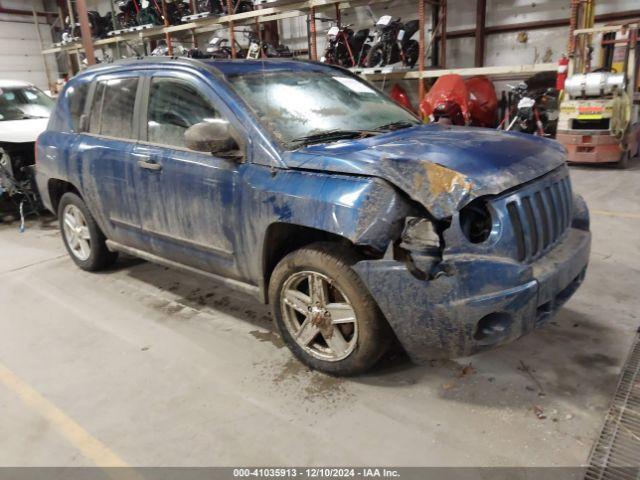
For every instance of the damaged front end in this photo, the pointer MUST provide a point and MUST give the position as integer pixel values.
(486, 275)
(17, 183)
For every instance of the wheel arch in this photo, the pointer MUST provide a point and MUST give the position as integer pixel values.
(282, 238)
(56, 188)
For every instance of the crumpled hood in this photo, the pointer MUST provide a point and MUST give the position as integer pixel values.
(443, 168)
(20, 131)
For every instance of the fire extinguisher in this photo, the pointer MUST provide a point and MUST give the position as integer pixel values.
(563, 69)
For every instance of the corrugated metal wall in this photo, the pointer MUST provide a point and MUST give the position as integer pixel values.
(20, 57)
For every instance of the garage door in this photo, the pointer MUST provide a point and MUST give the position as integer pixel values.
(20, 57)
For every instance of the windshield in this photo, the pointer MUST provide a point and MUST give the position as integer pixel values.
(294, 105)
(24, 103)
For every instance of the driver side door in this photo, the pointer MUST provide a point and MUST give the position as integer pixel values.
(185, 198)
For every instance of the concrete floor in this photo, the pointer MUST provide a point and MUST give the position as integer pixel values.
(143, 365)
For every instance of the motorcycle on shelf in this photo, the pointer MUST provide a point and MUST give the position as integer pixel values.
(219, 7)
(221, 48)
(150, 13)
(176, 9)
(162, 50)
(145, 12)
(531, 111)
(346, 48)
(127, 13)
(99, 26)
(392, 43)
(261, 49)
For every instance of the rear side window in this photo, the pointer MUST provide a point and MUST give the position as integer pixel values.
(76, 98)
(112, 108)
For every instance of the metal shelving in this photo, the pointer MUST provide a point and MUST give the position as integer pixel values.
(310, 8)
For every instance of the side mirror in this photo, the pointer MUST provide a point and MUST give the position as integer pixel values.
(212, 137)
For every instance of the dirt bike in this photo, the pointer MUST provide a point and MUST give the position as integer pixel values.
(393, 43)
(127, 15)
(346, 48)
(261, 49)
(99, 26)
(221, 48)
(531, 112)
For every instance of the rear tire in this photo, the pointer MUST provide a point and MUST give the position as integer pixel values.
(324, 312)
(81, 235)
(411, 53)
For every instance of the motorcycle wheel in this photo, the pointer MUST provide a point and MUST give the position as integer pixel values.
(411, 49)
(376, 55)
(244, 6)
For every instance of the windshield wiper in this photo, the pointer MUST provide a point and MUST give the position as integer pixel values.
(397, 125)
(330, 135)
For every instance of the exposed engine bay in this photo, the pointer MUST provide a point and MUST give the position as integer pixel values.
(17, 184)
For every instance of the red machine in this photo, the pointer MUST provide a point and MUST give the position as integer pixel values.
(455, 100)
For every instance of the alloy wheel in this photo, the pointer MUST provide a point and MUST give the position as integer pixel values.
(76, 232)
(319, 316)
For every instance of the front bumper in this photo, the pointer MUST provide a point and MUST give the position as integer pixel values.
(441, 318)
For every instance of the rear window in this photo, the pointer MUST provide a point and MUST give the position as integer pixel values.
(112, 108)
(76, 98)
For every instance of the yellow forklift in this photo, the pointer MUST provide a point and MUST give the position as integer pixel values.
(599, 112)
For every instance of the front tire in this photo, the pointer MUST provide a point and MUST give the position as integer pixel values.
(411, 53)
(375, 58)
(324, 312)
(81, 235)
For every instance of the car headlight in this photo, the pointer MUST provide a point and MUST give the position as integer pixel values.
(476, 221)
(420, 235)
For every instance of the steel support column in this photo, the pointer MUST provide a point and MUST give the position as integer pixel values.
(421, 49)
(313, 50)
(85, 31)
(232, 36)
(443, 37)
(167, 37)
(481, 15)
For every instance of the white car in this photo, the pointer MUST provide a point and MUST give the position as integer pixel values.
(24, 114)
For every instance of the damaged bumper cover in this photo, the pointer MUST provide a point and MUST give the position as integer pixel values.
(480, 302)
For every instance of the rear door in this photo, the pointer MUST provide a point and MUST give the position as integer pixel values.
(107, 156)
(185, 198)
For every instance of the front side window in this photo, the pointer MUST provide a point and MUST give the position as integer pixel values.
(294, 105)
(174, 106)
(112, 108)
(23, 103)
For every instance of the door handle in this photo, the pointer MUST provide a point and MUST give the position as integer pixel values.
(149, 165)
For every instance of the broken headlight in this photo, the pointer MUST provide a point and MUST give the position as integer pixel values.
(476, 221)
(420, 235)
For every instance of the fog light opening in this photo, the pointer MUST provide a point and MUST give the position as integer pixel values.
(493, 328)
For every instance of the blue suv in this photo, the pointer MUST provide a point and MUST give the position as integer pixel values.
(305, 186)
